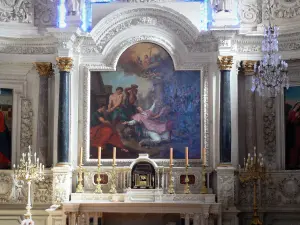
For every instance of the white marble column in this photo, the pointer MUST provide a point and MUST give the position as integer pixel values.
(87, 218)
(95, 219)
(196, 219)
(187, 219)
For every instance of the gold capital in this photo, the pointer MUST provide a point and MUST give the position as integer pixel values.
(64, 63)
(225, 62)
(247, 67)
(44, 68)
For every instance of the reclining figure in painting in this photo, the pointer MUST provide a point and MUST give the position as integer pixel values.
(153, 131)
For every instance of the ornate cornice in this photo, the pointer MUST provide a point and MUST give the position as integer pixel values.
(247, 67)
(156, 16)
(225, 62)
(44, 68)
(64, 63)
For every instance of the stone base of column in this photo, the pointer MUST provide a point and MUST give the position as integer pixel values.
(63, 164)
(226, 181)
(62, 184)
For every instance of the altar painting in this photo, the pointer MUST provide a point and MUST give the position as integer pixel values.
(6, 102)
(292, 126)
(145, 107)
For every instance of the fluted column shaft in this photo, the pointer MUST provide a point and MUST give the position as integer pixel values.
(225, 64)
(65, 65)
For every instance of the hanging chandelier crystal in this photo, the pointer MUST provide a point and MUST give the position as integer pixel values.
(271, 74)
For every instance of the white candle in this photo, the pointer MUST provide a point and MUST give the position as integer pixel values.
(186, 156)
(114, 155)
(99, 155)
(204, 156)
(80, 159)
(35, 157)
(171, 156)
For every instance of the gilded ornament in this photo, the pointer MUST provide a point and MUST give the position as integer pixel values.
(247, 67)
(225, 62)
(64, 63)
(44, 68)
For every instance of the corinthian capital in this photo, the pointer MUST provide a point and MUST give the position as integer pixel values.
(64, 63)
(225, 62)
(44, 68)
(247, 67)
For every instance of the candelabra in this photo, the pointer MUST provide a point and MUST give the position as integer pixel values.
(171, 180)
(113, 179)
(186, 181)
(271, 74)
(80, 170)
(98, 186)
(203, 187)
(253, 171)
(29, 171)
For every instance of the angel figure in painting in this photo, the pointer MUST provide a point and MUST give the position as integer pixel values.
(153, 131)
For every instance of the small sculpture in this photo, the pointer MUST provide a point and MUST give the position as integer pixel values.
(222, 5)
(73, 7)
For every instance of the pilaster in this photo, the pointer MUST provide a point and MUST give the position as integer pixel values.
(226, 191)
(247, 109)
(45, 72)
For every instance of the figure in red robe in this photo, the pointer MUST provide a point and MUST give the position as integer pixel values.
(102, 132)
(5, 144)
(293, 137)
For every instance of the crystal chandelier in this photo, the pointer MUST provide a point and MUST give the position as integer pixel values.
(271, 74)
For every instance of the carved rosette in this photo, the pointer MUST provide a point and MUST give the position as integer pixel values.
(64, 63)
(44, 69)
(225, 62)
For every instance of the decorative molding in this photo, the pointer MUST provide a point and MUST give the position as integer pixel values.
(43, 191)
(27, 46)
(249, 12)
(64, 63)
(26, 124)
(269, 133)
(45, 13)
(6, 184)
(16, 11)
(225, 62)
(44, 69)
(125, 18)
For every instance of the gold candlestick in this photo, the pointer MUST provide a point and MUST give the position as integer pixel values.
(186, 180)
(29, 170)
(98, 186)
(253, 171)
(79, 188)
(171, 180)
(113, 179)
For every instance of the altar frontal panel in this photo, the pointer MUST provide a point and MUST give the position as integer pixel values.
(145, 106)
